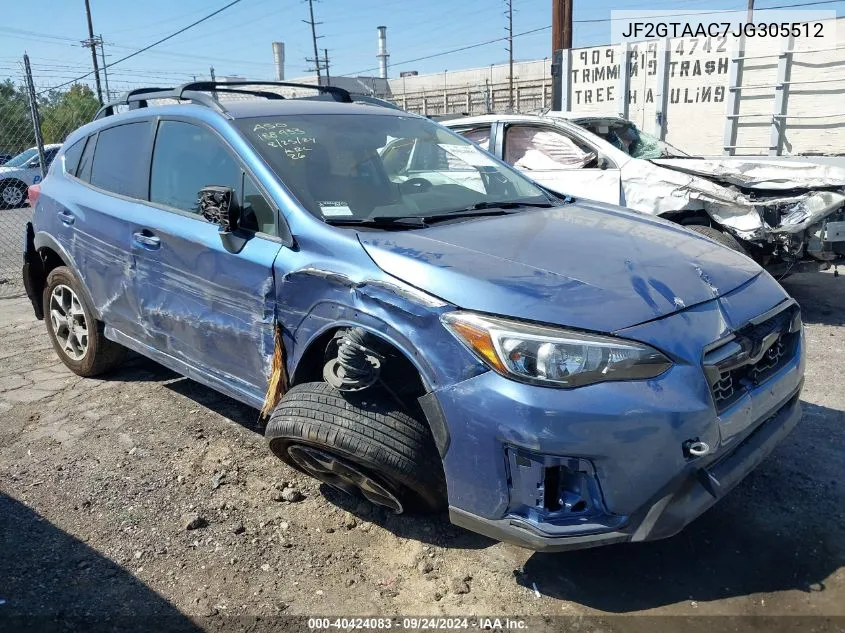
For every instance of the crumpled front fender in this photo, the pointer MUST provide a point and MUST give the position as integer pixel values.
(404, 317)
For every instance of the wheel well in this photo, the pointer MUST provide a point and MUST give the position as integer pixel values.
(50, 260)
(401, 376)
(689, 217)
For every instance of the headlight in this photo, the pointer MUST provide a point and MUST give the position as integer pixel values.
(552, 356)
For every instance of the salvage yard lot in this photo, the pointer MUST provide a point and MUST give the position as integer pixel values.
(100, 479)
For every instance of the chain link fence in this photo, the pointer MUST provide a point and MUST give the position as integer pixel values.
(58, 113)
(17, 153)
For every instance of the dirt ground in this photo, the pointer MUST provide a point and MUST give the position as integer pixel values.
(100, 481)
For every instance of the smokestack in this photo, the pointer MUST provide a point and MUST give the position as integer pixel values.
(279, 59)
(382, 52)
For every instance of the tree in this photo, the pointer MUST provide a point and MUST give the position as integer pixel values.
(16, 133)
(63, 112)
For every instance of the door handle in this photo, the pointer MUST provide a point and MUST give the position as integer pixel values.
(66, 217)
(146, 240)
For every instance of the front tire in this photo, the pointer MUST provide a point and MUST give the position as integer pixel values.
(725, 239)
(76, 334)
(362, 443)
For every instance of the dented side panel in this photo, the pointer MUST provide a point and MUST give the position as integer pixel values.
(96, 245)
(208, 307)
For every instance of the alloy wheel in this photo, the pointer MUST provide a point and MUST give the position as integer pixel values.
(343, 475)
(12, 196)
(68, 320)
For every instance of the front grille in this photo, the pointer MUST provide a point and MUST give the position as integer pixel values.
(752, 355)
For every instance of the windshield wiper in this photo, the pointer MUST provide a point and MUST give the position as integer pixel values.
(480, 209)
(379, 220)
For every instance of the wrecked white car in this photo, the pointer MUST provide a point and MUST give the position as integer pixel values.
(787, 215)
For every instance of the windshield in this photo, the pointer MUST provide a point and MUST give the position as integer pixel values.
(21, 158)
(630, 139)
(358, 166)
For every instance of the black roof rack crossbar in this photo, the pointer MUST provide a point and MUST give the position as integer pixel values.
(198, 92)
(138, 99)
(339, 94)
(258, 93)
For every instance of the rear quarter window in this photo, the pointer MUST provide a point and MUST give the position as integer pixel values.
(121, 158)
(72, 156)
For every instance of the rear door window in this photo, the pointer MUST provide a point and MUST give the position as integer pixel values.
(120, 159)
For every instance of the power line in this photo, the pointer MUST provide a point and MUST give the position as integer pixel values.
(458, 50)
(22, 34)
(146, 48)
(545, 28)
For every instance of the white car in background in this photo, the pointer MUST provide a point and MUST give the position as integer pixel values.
(21, 171)
(785, 214)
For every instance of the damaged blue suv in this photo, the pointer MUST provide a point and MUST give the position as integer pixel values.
(419, 324)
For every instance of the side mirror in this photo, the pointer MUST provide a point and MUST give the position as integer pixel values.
(603, 163)
(219, 206)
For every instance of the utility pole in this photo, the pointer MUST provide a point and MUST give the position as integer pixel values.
(750, 16)
(213, 80)
(510, 54)
(92, 43)
(562, 24)
(326, 66)
(105, 72)
(314, 38)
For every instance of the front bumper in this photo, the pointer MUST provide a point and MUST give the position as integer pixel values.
(627, 440)
(684, 499)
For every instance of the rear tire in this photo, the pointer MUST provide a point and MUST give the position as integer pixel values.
(362, 443)
(74, 331)
(725, 239)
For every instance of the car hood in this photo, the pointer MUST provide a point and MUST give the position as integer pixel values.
(760, 174)
(585, 265)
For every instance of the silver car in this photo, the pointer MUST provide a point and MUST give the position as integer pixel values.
(21, 171)
(786, 214)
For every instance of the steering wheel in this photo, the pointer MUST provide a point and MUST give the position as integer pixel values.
(415, 185)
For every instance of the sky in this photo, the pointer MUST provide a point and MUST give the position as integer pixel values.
(238, 40)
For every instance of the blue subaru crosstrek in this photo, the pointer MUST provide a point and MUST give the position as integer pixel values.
(419, 324)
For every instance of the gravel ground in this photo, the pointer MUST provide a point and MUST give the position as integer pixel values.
(147, 495)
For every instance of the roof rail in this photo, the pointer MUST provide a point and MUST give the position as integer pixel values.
(197, 92)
